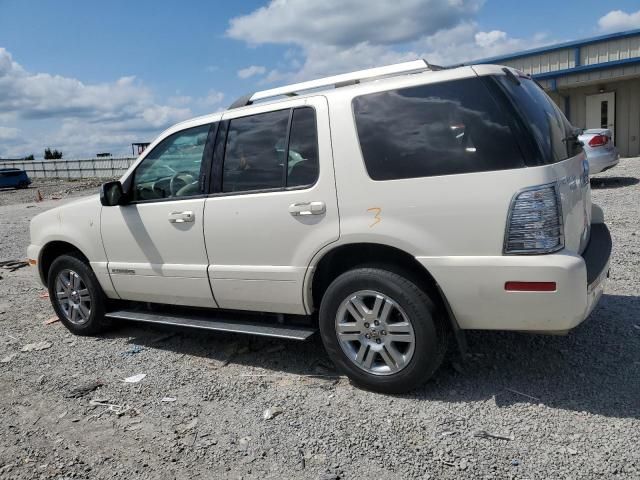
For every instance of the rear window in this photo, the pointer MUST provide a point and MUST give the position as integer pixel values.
(255, 154)
(439, 129)
(260, 146)
(552, 131)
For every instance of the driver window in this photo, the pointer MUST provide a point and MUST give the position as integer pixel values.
(172, 169)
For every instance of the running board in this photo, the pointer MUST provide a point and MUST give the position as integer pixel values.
(290, 332)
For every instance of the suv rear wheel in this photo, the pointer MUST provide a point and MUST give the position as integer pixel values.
(76, 295)
(381, 330)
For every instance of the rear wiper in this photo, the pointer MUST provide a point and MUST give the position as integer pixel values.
(573, 137)
(511, 76)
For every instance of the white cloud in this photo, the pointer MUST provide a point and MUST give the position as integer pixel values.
(349, 22)
(41, 95)
(81, 118)
(617, 20)
(251, 71)
(466, 42)
(76, 138)
(161, 116)
(487, 39)
(336, 36)
(331, 59)
(213, 98)
(8, 133)
(179, 100)
(274, 76)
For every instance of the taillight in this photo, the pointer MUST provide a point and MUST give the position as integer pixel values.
(534, 224)
(598, 141)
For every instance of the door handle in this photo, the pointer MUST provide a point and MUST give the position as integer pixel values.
(307, 208)
(181, 217)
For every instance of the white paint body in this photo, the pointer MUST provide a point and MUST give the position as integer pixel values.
(247, 251)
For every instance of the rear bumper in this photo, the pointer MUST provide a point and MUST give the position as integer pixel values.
(475, 287)
(596, 258)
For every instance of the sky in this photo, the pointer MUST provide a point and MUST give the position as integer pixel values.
(89, 77)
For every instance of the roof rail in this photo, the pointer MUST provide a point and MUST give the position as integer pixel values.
(337, 81)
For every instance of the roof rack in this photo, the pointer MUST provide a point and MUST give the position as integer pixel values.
(337, 81)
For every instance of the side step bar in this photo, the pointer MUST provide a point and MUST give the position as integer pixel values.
(290, 332)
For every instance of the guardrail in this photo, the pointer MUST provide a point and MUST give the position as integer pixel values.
(85, 168)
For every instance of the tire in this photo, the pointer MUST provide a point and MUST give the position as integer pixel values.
(89, 307)
(22, 185)
(377, 289)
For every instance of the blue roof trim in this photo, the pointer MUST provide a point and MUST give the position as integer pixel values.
(585, 68)
(557, 46)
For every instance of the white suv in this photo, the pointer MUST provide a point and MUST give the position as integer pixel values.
(391, 208)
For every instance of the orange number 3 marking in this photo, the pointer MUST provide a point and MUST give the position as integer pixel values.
(376, 217)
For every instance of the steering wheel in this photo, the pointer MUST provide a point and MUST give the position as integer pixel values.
(185, 178)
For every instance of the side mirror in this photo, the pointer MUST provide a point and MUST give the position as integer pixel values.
(111, 194)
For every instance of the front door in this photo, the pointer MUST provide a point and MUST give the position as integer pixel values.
(154, 244)
(601, 111)
(274, 204)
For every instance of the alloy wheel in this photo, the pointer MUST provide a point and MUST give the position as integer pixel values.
(375, 333)
(73, 297)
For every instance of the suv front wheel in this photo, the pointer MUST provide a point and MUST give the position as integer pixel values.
(381, 330)
(76, 295)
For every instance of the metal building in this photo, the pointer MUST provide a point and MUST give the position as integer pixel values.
(596, 82)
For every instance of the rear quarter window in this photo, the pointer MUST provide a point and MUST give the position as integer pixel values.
(551, 130)
(438, 129)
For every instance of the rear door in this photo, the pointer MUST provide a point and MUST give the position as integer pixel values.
(273, 204)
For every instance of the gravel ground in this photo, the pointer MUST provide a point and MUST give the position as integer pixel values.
(49, 189)
(564, 407)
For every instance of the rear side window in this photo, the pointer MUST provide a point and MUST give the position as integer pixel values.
(253, 160)
(258, 145)
(550, 128)
(439, 129)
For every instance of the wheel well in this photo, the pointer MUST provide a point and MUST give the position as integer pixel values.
(347, 257)
(53, 250)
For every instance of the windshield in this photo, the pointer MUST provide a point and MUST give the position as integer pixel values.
(555, 135)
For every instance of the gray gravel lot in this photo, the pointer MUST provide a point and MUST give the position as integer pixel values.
(49, 188)
(567, 407)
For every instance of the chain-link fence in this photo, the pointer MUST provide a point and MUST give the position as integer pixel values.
(88, 168)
